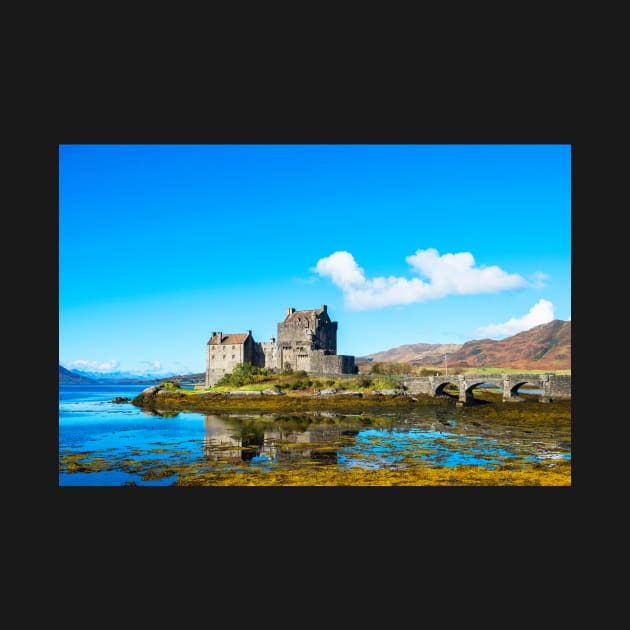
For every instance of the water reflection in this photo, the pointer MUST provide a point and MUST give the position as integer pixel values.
(433, 437)
(235, 439)
(102, 443)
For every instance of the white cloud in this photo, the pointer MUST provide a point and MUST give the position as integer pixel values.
(538, 279)
(540, 313)
(98, 366)
(450, 274)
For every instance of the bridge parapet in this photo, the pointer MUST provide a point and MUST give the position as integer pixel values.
(550, 384)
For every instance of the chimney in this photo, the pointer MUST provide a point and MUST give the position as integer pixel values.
(324, 307)
(220, 336)
(290, 311)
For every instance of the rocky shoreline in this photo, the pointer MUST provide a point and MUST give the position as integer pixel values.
(159, 398)
(164, 400)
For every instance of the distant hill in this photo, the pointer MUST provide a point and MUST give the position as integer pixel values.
(427, 353)
(543, 347)
(123, 378)
(120, 377)
(198, 377)
(66, 377)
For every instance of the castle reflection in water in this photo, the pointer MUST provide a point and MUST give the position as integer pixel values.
(235, 441)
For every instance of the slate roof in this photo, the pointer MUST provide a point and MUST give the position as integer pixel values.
(228, 338)
(302, 314)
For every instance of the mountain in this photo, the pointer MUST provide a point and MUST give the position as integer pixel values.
(427, 353)
(543, 347)
(198, 377)
(127, 377)
(66, 377)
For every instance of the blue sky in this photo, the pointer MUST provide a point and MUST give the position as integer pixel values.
(159, 245)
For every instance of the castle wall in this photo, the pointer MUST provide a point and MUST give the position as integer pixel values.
(221, 359)
(330, 364)
(326, 337)
(296, 357)
(266, 354)
(294, 333)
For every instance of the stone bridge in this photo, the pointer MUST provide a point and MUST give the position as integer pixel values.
(552, 386)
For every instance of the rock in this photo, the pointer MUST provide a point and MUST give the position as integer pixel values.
(244, 393)
(150, 390)
(351, 394)
(273, 392)
(121, 399)
(389, 392)
(328, 392)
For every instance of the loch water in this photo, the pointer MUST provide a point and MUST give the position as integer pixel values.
(126, 445)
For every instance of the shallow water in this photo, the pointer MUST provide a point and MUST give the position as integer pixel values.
(109, 444)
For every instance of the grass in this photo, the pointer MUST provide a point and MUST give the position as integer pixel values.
(543, 475)
(189, 474)
(502, 370)
(308, 384)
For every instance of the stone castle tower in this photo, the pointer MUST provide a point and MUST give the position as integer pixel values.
(307, 340)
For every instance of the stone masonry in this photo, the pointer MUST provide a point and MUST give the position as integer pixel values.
(553, 387)
(307, 340)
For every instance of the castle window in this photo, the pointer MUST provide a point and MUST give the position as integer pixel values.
(234, 356)
(213, 356)
(224, 356)
(233, 348)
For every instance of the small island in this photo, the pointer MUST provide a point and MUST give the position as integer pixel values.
(252, 389)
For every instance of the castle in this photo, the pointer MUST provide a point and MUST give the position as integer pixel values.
(307, 340)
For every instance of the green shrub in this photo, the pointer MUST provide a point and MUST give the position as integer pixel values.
(384, 383)
(300, 384)
(172, 385)
(244, 374)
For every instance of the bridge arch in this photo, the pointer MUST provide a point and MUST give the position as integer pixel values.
(468, 385)
(514, 387)
(439, 387)
(509, 384)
